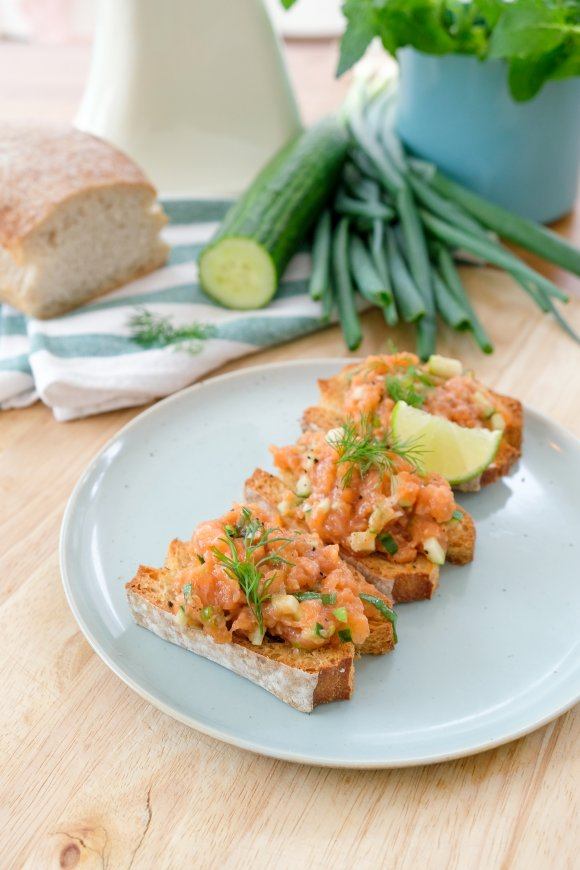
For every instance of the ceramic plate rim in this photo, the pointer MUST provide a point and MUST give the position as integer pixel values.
(225, 736)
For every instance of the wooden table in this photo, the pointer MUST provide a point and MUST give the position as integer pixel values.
(93, 775)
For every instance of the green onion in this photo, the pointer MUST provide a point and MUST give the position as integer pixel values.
(490, 252)
(363, 164)
(415, 247)
(325, 597)
(345, 635)
(352, 177)
(386, 611)
(320, 276)
(531, 236)
(200, 558)
(365, 273)
(457, 515)
(341, 614)
(348, 205)
(318, 629)
(409, 301)
(390, 313)
(440, 206)
(186, 591)
(451, 277)
(347, 312)
(426, 336)
(548, 306)
(388, 543)
(206, 613)
(451, 311)
(388, 174)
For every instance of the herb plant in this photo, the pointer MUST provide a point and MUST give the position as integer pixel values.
(539, 39)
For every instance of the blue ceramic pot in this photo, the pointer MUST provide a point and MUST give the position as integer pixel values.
(458, 112)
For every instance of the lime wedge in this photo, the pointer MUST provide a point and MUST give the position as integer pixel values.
(456, 452)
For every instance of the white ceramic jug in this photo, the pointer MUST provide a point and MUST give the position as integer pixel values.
(195, 90)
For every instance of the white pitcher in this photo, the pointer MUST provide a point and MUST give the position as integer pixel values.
(195, 90)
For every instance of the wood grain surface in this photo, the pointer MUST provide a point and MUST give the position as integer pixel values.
(93, 776)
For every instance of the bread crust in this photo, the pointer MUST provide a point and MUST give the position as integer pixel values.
(328, 677)
(42, 167)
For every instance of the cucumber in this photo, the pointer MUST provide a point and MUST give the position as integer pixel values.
(242, 265)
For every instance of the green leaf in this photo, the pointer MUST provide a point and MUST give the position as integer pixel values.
(418, 23)
(360, 31)
(569, 65)
(528, 28)
(527, 75)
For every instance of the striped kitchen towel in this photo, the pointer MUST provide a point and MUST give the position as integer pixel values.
(87, 361)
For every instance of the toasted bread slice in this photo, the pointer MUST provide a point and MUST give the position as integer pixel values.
(327, 416)
(413, 581)
(299, 678)
(382, 637)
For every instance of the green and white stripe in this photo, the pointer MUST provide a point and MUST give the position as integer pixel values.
(86, 362)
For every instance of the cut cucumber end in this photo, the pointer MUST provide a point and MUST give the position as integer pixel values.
(457, 453)
(238, 273)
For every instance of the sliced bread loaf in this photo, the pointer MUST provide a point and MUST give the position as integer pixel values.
(77, 218)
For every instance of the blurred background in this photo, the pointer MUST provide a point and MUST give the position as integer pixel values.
(58, 21)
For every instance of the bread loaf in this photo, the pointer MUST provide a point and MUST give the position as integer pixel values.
(77, 218)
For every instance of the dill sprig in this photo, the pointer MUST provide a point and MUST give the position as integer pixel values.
(154, 330)
(359, 446)
(244, 568)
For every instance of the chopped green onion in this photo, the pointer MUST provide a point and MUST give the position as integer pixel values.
(402, 390)
(386, 611)
(389, 543)
(328, 597)
(345, 635)
(206, 613)
(325, 597)
(341, 614)
(457, 515)
(186, 591)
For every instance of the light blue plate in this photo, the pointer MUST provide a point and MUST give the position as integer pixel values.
(493, 656)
